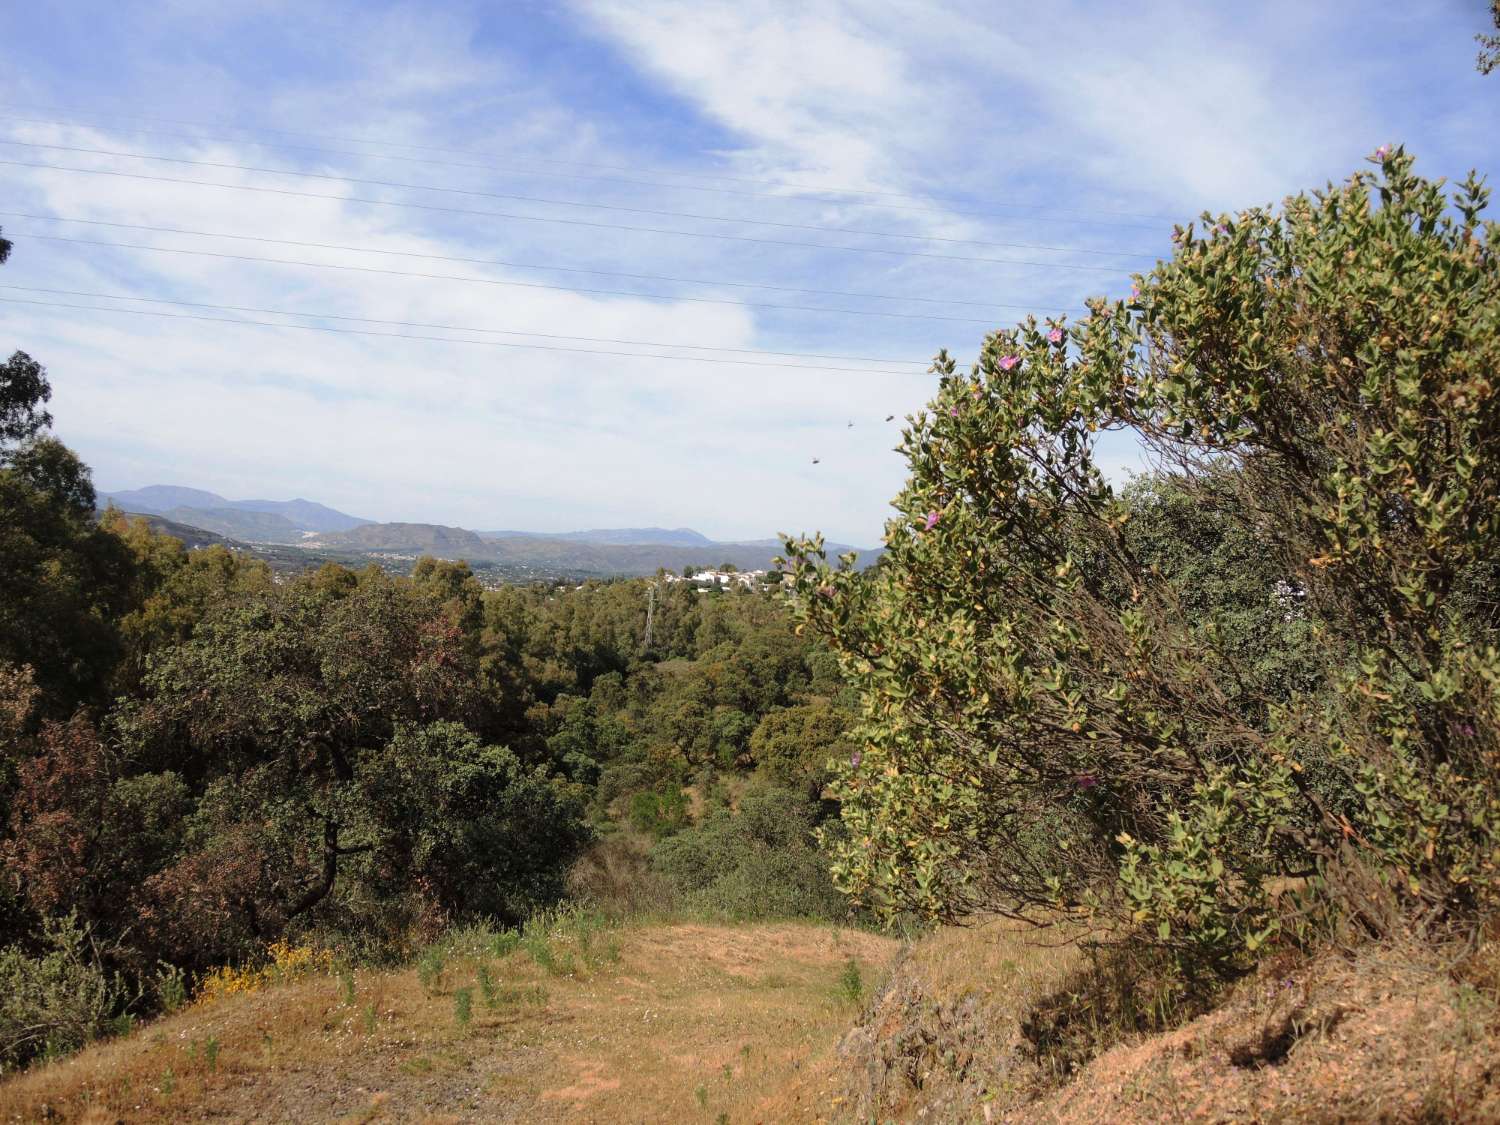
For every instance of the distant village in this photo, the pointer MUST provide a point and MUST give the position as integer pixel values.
(720, 579)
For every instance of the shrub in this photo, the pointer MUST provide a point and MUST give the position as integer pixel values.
(57, 1000)
(1049, 725)
(660, 811)
(759, 862)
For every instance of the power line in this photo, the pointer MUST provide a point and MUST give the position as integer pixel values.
(458, 327)
(498, 281)
(657, 212)
(512, 265)
(513, 170)
(444, 339)
(264, 189)
(609, 167)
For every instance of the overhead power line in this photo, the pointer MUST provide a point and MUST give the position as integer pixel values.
(782, 184)
(509, 264)
(446, 339)
(229, 166)
(505, 282)
(458, 327)
(433, 207)
(807, 195)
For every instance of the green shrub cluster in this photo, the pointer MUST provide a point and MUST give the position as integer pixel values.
(1254, 692)
(759, 861)
(58, 998)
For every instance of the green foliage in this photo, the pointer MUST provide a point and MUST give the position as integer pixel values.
(57, 1000)
(463, 1006)
(171, 987)
(851, 982)
(430, 966)
(759, 862)
(1063, 707)
(486, 986)
(793, 746)
(660, 811)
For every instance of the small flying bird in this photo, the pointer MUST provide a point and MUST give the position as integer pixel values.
(890, 417)
(815, 461)
(851, 425)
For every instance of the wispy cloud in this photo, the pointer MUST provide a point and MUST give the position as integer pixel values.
(1098, 116)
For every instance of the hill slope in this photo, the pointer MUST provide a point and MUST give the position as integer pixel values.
(668, 1023)
(163, 499)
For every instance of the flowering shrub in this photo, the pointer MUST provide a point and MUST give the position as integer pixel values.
(1063, 710)
(285, 962)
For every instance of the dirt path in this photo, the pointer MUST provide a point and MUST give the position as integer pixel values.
(678, 1023)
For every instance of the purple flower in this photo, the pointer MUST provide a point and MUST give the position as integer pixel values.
(1055, 336)
(1382, 152)
(855, 758)
(1222, 228)
(932, 519)
(1009, 361)
(1135, 292)
(953, 412)
(1467, 730)
(1086, 781)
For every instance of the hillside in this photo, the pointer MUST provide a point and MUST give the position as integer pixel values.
(418, 538)
(570, 555)
(768, 1022)
(298, 515)
(236, 523)
(663, 1023)
(628, 536)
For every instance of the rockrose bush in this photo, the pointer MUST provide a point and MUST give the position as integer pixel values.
(1065, 707)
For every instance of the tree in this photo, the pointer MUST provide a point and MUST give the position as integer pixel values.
(1489, 45)
(61, 579)
(1049, 724)
(272, 710)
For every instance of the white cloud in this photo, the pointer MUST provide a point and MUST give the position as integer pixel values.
(1151, 108)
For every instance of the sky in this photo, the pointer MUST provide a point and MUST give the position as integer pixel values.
(602, 263)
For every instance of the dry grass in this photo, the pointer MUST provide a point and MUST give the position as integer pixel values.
(690, 1023)
(751, 1023)
(1391, 1034)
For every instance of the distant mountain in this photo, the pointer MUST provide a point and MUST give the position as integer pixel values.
(305, 515)
(191, 535)
(300, 515)
(624, 536)
(159, 499)
(555, 554)
(236, 523)
(286, 530)
(421, 538)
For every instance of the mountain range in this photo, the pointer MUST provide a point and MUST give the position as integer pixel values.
(320, 532)
(241, 519)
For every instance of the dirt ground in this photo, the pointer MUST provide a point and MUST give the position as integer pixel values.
(683, 1023)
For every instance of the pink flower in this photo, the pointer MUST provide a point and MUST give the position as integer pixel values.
(1382, 152)
(855, 758)
(1135, 292)
(1222, 228)
(953, 412)
(932, 519)
(1086, 781)
(1055, 336)
(1009, 361)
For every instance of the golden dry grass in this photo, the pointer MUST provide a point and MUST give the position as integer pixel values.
(691, 1022)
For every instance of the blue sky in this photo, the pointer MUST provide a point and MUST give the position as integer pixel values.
(1007, 157)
